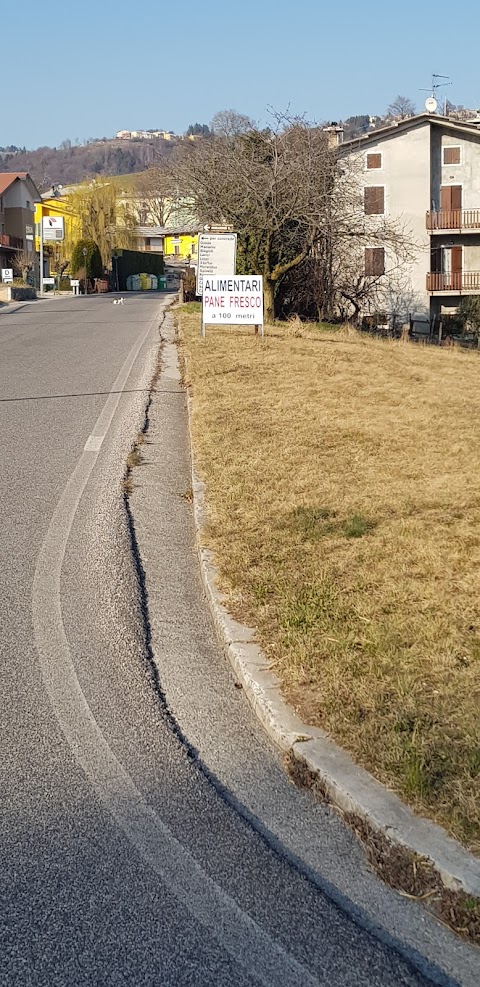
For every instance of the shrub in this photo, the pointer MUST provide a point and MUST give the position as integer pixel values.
(468, 315)
(93, 259)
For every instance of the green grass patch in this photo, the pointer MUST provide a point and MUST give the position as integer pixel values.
(313, 523)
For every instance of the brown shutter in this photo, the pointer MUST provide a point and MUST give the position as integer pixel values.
(456, 196)
(374, 261)
(451, 155)
(374, 200)
(456, 260)
(445, 198)
(379, 262)
(374, 161)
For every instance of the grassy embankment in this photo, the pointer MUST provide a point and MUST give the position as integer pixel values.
(343, 489)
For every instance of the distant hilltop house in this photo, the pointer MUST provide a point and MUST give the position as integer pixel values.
(127, 135)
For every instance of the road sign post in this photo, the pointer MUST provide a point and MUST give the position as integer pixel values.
(236, 300)
(53, 228)
(217, 254)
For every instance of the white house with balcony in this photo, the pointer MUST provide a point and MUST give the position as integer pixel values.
(425, 173)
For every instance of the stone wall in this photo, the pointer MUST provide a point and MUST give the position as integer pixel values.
(10, 293)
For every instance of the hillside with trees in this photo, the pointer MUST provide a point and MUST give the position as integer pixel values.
(71, 163)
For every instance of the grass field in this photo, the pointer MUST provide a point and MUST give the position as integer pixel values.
(343, 491)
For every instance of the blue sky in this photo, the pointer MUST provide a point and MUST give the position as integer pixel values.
(98, 67)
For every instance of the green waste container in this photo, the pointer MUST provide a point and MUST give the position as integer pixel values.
(162, 282)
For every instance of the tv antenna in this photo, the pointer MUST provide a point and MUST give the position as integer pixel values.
(431, 101)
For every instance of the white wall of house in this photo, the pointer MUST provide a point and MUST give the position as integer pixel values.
(466, 173)
(412, 172)
(471, 255)
(405, 174)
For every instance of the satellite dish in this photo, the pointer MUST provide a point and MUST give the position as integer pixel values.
(431, 104)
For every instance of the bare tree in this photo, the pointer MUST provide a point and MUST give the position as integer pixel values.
(364, 256)
(61, 258)
(272, 186)
(297, 205)
(24, 262)
(229, 123)
(358, 263)
(361, 292)
(154, 196)
(402, 107)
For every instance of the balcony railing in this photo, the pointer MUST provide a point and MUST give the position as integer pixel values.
(457, 281)
(454, 219)
(15, 242)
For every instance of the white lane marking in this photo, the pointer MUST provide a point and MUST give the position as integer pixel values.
(261, 956)
(93, 443)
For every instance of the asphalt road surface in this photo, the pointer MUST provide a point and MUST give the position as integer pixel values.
(132, 852)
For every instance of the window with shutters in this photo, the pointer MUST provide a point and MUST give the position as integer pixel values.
(374, 261)
(451, 155)
(374, 161)
(374, 200)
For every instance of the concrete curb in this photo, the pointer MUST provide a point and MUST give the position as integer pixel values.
(346, 785)
(6, 308)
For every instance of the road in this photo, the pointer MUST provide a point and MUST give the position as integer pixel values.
(132, 850)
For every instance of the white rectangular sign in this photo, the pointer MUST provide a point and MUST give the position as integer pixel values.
(53, 228)
(49, 280)
(233, 301)
(7, 275)
(74, 283)
(217, 254)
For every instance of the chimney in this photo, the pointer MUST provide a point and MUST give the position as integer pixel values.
(334, 133)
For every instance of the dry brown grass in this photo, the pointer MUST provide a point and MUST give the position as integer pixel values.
(343, 489)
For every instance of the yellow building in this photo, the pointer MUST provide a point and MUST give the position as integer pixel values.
(56, 204)
(181, 245)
